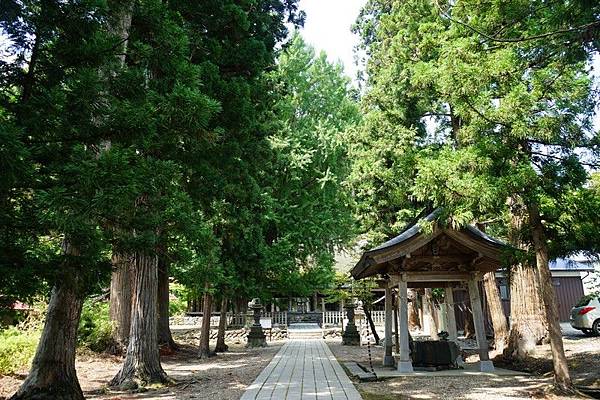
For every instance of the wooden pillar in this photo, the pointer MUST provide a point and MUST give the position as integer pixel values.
(450, 316)
(485, 365)
(388, 359)
(405, 363)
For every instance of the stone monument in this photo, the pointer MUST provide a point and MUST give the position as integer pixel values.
(351, 337)
(256, 337)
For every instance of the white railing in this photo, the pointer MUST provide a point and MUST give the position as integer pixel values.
(236, 319)
(277, 318)
(378, 317)
(329, 318)
(333, 317)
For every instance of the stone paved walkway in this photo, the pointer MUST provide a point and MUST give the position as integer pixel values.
(302, 369)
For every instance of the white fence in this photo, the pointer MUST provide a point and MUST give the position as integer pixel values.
(330, 318)
(333, 318)
(277, 318)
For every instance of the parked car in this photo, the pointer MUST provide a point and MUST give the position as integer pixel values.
(585, 316)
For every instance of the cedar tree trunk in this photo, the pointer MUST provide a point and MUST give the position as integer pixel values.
(204, 351)
(469, 329)
(496, 311)
(165, 339)
(430, 314)
(221, 347)
(562, 379)
(52, 375)
(120, 301)
(527, 316)
(414, 321)
(142, 361)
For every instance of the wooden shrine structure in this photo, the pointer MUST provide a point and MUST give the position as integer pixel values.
(443, 258)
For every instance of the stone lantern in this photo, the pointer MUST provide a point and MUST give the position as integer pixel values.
(256, 337)
(351, 337)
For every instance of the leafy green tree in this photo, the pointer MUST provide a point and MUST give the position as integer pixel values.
(48, 97)
(308, 214)
(495, 102)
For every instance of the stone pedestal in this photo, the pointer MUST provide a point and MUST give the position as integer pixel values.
(256, 336)
(351, 337)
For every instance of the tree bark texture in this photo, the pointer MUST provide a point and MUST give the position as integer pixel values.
(52, 374)
(429, 313)
(469, 329)
(165, 338)
(527, 320)
(221, 346)
(120, 301)
(414, 322)
(496, 311)
(142, 361)
(562, 378)
(204, 350)
(527, 316)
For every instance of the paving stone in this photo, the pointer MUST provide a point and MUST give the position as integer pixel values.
(302, 369)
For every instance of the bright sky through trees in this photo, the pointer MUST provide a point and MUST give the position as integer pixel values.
(327, 28)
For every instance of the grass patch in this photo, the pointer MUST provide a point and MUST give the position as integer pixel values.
(17, 348)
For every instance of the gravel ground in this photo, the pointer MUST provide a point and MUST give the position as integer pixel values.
(583, 355)
(224, 377)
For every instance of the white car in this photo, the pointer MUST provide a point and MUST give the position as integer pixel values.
(585, 316)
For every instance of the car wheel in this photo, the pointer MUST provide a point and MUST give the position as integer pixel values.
(596, 327)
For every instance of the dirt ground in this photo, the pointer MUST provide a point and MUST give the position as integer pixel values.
(583, 354)
(224, 377)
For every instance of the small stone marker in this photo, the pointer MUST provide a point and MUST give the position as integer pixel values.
(256, 337)
(351, 337)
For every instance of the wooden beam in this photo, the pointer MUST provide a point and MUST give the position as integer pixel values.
(441, 276)
(408, 247)
(476, 245)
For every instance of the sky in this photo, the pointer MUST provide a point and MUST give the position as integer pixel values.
(327, 28)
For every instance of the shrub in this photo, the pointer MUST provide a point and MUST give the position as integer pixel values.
(95, 327)
(178, 296)
(17, 348)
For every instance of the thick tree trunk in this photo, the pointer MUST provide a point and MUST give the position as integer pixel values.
(142, 361)
(496, 311)
(527, 317)
(120, 301)
(469, 330)
(527, 320)
(429, 313)
(562, 379)
(221, 346)
(204, 350)
(52, 374)
(414, 322)
(372, 325)
(165, 339)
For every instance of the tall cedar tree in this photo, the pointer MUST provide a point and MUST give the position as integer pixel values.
(491, 104)
(48, 96)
